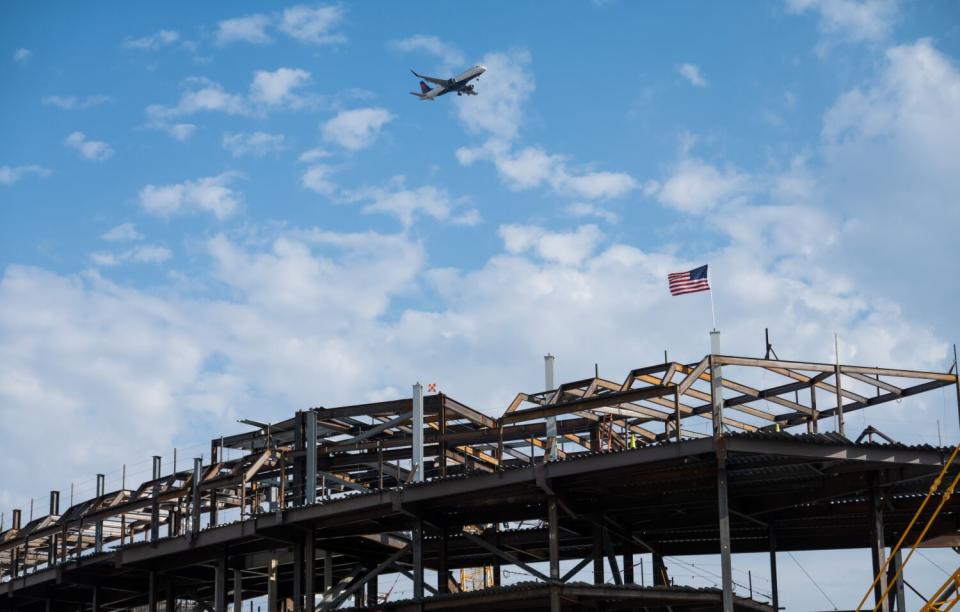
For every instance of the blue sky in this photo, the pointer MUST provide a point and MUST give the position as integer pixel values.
(236, 209)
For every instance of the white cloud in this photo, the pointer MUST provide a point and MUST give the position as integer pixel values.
(180, 131)
(75, 102)
(498, 116)
(533, 166)
(312, 155)
(696, 186)
(313, 25)
(11, 174)
(269, 90)
(317, 178)
(356, 129)
(256, 144)
(251, 29)
(498, 111)
(277, 87)
(569, 249)
(94, 150)
(447, 53)
(148, 253)
(125, 232)
(691, 72)
(211, 194)
(403, 203)
(854, 20)
(21, 55)
(585, 209)
(153, 42)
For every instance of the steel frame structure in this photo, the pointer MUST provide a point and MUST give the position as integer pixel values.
(316, 508)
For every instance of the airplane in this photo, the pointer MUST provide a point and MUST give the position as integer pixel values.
(459, 84)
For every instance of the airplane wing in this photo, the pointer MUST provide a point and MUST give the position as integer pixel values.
(433, 80)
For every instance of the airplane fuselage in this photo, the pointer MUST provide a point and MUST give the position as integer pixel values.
(459, 84)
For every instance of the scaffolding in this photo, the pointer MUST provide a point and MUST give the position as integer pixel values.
(723, 455)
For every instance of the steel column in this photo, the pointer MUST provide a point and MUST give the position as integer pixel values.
(726, 564)
(52, 547)
(659, 570)
(443, 569)
(311, 449)
(327, 576)
(877, 549)
(373, 591)
(220, 585)
(98, 528)
(551, 425)
(417, 426)
(774, 586)
(417, 549)
(298, 562)
(153, 592)
(309, 569)
(628, 576)
(897, 594)
(195, 509)
(272, 594)
(597, 554)
(237, 590)
(553, 520)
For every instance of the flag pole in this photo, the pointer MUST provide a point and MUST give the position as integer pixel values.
(713, 310)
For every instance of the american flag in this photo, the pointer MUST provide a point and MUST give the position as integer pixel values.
(689, 282)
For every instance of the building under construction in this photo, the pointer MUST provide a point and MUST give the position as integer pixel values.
(573, 487)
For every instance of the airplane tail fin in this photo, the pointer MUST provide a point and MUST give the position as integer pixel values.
(424, 88)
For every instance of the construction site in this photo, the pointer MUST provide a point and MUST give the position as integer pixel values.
(550, 505)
